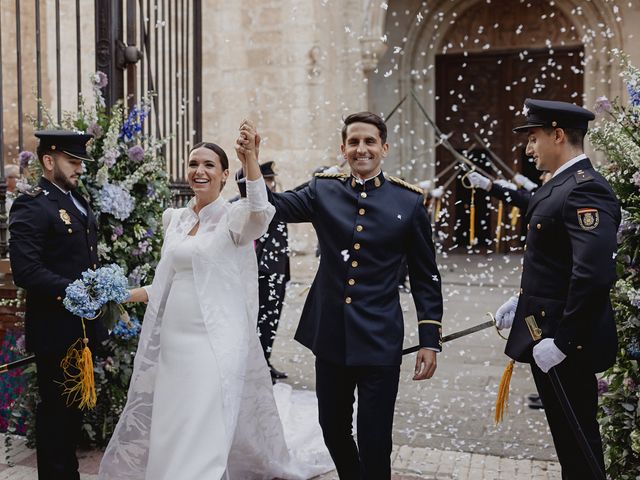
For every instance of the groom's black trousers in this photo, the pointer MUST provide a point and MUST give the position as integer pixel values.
(377, 390)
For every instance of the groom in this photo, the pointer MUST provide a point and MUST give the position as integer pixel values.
(366, 223)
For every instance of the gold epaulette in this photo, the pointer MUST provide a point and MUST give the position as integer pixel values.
(339, 176)
(407, 185)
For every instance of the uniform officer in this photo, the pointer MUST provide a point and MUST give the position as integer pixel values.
(568, 271)
(352, 320)
(272, 250)
(53, 240)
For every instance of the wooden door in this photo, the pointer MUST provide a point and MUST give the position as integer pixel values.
(481, 93)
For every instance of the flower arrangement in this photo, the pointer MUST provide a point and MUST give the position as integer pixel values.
(618, 136)
(99, 293)
(128, 189)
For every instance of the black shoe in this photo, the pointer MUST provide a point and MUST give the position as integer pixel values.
(277, 374)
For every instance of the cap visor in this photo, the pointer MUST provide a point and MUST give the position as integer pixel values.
(527, 126)
(79, 157)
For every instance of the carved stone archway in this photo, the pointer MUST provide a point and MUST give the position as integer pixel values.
(450, 25)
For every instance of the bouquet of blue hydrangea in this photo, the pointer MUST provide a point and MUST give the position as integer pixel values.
(99, 293)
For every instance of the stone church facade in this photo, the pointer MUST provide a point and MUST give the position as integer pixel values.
(296, 67)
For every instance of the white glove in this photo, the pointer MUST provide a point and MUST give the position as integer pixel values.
(426, 185)
(506, 184)
(547, 355)
(527, 184)
(506, 313)
(478, 181)
(437, 192)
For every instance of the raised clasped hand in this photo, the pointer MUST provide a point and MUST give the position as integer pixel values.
(248, 143)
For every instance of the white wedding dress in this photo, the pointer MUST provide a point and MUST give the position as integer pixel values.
(201, 405)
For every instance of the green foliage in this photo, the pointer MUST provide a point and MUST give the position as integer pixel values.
(618, 136)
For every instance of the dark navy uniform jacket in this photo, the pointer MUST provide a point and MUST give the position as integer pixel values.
(352, 315)
(569, 268)
(52, 243)
(518, 198)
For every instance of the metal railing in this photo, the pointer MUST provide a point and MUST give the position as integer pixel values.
(142, 45)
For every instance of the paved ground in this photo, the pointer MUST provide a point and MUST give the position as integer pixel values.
(443, 427)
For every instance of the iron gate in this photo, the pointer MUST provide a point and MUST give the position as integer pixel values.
(142, 45)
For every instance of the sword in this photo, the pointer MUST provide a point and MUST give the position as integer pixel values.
(570, 415)
(456, 335)
(7, 367)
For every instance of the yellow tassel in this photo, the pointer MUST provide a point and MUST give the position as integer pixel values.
(472, 219)
(499, 227)
(502, 402)
(436, 215)
(515, 214)
(77, 366)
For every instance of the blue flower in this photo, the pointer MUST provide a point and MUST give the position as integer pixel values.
(634, 94)
(86, 296)
(116, 200)
(124, 331)
(133, 123)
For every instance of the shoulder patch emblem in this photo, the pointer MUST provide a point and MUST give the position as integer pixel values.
(407, 185)
(588, 218)
(339, 176)
(32, 191)
(582, 176)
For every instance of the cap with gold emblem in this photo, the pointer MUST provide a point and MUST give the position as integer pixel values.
(69, 142)
(553, 114)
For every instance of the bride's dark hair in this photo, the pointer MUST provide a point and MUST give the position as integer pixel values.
(217, 149)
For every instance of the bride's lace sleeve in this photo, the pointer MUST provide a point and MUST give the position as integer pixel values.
(249, 218)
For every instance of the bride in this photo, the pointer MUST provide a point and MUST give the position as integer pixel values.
(201, 403)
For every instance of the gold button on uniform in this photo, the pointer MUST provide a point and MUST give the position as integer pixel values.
(543, 313)
(88, 231)
(538, 226)
(361, 211)
(91, 248)
(347, 300)
(70, 231)
(354, 264)
(359, 228)
(579, 347)
(352, 281)
(356, 246)
(59, 298)
(528, 226)
(363, 194)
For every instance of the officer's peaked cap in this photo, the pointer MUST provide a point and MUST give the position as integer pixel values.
(552, 114)
(72, 143)
(267, 170)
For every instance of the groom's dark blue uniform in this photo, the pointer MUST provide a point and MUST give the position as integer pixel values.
(352, 319)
